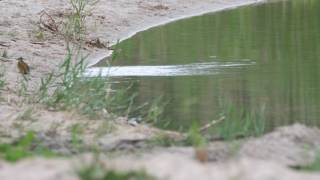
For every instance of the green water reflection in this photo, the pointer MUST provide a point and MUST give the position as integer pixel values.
(283, 38)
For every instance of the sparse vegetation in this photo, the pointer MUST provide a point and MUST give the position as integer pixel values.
(75, 137)
(155, 111)
(68, 90)
(26, 114)
(23, 90)
(39, 35)
(27, 146)
(314, 166)
(194, 137)
(132, 175)
(75, 27)
(237, 124)
(93, 174)
(89, 96)
(165, 141)
(2, 80)
(96, 171)
(240, 123)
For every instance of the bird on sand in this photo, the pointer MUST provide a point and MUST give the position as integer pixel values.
(23, 66)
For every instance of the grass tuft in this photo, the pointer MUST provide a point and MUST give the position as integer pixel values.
(314, 166)
(2, 80)
(75, 28)
(66, 89)
(71, 91)
(96, 172)
(194, 137)
(27, 146)
(240, 123)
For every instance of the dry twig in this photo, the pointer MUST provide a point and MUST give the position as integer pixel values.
(95, 43)
(4, 44)
(214, 122)
(48, 23)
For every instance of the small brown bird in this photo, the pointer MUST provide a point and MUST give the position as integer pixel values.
(22, 66)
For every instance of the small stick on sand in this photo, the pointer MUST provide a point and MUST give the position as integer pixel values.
(39, 43)
(4, 44)
(214, 122)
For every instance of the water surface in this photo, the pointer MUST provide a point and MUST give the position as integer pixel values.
(273, 51)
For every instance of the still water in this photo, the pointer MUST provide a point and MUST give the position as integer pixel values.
(263, 58)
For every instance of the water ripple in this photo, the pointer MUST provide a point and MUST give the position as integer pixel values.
(193, 69)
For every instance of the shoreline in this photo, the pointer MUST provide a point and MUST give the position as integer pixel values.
(191, 14)
(107, 20)
(214, 8)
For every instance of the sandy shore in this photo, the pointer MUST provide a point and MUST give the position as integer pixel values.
(267, 157)
(263, 158)
(107, 20)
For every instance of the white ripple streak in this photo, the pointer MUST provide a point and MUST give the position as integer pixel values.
(165, 70)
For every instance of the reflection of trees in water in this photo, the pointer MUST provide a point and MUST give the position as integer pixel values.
(280, 37)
